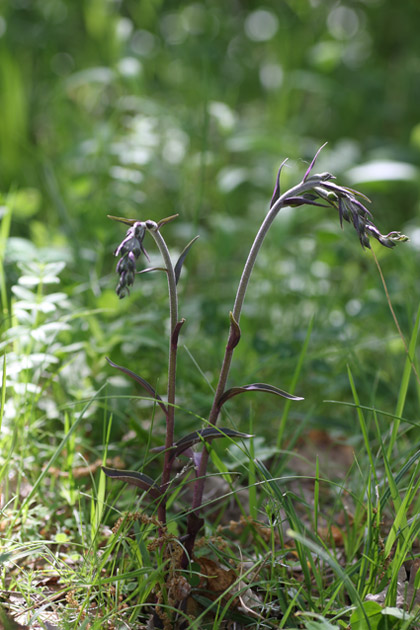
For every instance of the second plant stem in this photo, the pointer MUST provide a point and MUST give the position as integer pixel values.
(300, 188)
(173, 310)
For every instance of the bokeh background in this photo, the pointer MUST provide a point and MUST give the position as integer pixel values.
(143, 109)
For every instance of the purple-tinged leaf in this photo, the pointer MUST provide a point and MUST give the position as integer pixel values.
(145, 253)
(209, 433)
(254, 387)
(343, 191)
(175, 334)
(357, 193)
(234, 334)
(276, 193)
(157, 449)
(305, 177)
(134, 478)
(182, 257)
(358, 204)
(141, 382)
(341, 211)
(302, 201)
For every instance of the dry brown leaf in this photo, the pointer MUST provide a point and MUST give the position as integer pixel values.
(216, 578)
(331, 533)
(335, 456)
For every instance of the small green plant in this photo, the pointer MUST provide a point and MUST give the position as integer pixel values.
(312, 190)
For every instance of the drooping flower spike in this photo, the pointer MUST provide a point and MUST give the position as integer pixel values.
(345, 201)
(129, 250)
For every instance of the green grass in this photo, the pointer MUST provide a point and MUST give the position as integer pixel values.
(296, 545)
(308, 530)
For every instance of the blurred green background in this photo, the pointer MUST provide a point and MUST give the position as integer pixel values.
(148, 108)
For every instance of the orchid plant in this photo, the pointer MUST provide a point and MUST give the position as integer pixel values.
(313, 189)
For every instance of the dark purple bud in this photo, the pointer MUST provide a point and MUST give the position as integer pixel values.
(129, 250)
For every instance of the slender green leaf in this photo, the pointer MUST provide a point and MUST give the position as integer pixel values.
(166, 220)
(3, 391)
(295, 378)
(408, 366)
(148, 269)
(338, 570)
(371, 610)
(122, 219)
(362, 422)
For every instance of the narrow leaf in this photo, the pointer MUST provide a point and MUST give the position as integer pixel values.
(167, 220)
(182, 257)
(152, 269)
(305, 177)
(135, 479)
(258, 387)
(209, 433)
(235, 333)
(175, 334)
(143, 383)
(303, 201)
(276, 193)
(122, 220)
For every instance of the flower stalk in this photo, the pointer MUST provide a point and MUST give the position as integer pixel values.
(130, 250)
(350, 209)
(153, 229)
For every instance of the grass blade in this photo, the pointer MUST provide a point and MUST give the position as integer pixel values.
(404, 382)
(295, 379)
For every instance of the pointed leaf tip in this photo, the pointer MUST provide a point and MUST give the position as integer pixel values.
(141, 382)
(276, 193)
(122, 219)
(149, 269)
(209, 433)
(166, 220)
(258, 387)
(175, 334)
(135, 479)
(235, 333)
(312, 164)
(180, 261)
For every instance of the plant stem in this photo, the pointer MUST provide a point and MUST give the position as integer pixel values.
(173, 346)
(297, 190)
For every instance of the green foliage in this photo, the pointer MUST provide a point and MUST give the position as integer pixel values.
(146, 109)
